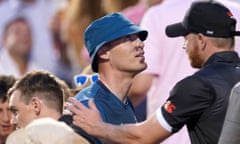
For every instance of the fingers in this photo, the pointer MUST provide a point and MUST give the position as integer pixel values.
(70, 106)
(75, 105)
(84, 117)
(92, 104)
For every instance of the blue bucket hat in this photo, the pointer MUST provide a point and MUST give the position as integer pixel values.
(107, 29)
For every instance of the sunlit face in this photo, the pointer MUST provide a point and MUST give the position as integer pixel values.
(193, 50)
(22, 114)
(5, 116)
(127, 54)
(18, 38)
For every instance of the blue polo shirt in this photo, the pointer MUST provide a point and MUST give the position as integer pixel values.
(112, 109)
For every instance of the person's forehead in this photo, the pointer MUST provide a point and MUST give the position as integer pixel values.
(18, 26)
(190, 36)
(15, 98)
(3, 104)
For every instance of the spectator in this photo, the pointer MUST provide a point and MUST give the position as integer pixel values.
(36, 95)
(6, 82)
(38, 13)
(200, 100)
(117, 55)
(62, 68)
(77, 16)
(17, 46)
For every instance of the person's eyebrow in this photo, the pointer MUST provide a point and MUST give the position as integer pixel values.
(12, 108)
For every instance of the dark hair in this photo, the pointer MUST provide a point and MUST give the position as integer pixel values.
(12, 21)
(43, 85)
(6, 82)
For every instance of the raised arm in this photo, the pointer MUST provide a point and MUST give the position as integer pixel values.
(149, 131)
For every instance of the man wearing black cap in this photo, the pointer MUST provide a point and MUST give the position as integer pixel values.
(115, 46)
(198, 101)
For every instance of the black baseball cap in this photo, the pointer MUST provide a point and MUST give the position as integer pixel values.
(209, 18)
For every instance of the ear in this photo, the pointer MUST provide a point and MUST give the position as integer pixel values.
(202, 41)
(36, 105)
(104, 56)
(103, 53)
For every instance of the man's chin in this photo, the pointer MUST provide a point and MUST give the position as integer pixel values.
(5, 134)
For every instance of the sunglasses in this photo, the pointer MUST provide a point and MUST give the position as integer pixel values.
(82, 79)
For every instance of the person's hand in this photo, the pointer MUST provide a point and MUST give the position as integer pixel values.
(88, 119)
(65, 110)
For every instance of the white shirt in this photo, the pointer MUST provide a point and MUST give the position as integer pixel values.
(9, 67)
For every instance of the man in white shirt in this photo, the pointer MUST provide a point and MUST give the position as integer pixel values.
(38, 14)
(17, 45)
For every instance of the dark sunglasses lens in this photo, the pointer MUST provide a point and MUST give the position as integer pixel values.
(94, 78)
(81, 80)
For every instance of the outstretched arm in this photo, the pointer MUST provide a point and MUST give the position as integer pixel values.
(149, 131)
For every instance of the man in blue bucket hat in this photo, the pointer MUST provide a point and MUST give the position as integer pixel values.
(115, 46)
